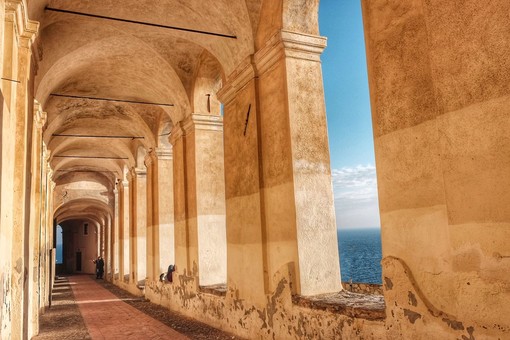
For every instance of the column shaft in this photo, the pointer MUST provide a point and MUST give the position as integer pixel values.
(277, 161)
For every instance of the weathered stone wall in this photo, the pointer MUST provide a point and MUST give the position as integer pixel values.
(278, 318)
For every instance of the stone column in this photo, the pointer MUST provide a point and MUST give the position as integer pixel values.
(35, 219)
(25, 33)
(124, 227)
(138, 195)
(49, 233)
(160, 235)
(99, 237)
(115, 239)
(47, 187)
(206, 196)
(182, 261)
(152, 249)
(165, 195)
(7, 172)
(43, 267)
(108, 246)
(279, 192)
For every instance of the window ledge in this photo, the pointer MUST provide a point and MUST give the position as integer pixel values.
(369, 307)
(218, 289)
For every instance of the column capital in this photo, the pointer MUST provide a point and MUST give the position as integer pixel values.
(176, 133)
(40, 117)
(242, 74)
(284, 44)
(290, 45)
(131, 174)
(139, 172)
(123, 184)
(26, 29)
(46, 155)
(197, 121)
(149, 159)
(52, 185)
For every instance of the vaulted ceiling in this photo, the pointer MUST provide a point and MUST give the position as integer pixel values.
(81, 59)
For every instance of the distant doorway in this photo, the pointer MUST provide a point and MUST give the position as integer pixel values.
(78, 261)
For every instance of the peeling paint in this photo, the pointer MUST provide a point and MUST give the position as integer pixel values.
(470, 331)
(272, 303)
(454, 324)
(388, 284)
(412, 299)
(412, 316)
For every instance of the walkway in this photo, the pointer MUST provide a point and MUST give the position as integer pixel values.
(96, 312)
(108, 317)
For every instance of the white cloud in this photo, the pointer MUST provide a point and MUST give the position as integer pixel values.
(356, 202)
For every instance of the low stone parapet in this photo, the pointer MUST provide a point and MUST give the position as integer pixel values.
(363, 288)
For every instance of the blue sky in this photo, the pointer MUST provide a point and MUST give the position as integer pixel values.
(348, 113)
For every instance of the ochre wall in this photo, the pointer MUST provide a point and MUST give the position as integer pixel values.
(440, 95)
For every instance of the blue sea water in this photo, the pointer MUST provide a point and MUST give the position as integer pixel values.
(360, 255)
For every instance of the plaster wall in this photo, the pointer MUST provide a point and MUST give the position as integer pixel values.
(440, 98)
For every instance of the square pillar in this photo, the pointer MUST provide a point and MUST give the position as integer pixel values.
(115, 235)
(160, 233)
(277, 165)
(182, 257)
(206, 195)
(124, 226)
(24, 34)
(199, 198)
(138, 218)
(34, 284)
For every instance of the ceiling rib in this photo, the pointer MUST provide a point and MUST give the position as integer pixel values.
(109, 99)
(95, 136)
(222, 35)
(89, 157)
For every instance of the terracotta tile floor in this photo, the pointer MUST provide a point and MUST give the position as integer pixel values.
(108, 317)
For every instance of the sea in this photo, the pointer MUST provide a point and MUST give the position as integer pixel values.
(360, 255)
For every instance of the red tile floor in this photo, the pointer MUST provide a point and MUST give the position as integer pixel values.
(108, 317)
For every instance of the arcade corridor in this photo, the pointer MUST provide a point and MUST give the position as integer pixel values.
(193, 133)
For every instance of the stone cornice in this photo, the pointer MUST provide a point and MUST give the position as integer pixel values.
(156, 155)
(284, 44)
(26, 29)
(197, 121)
(237, 80)
(164, 153)
(291, 45)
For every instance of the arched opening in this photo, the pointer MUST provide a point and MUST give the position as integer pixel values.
(351, 143)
